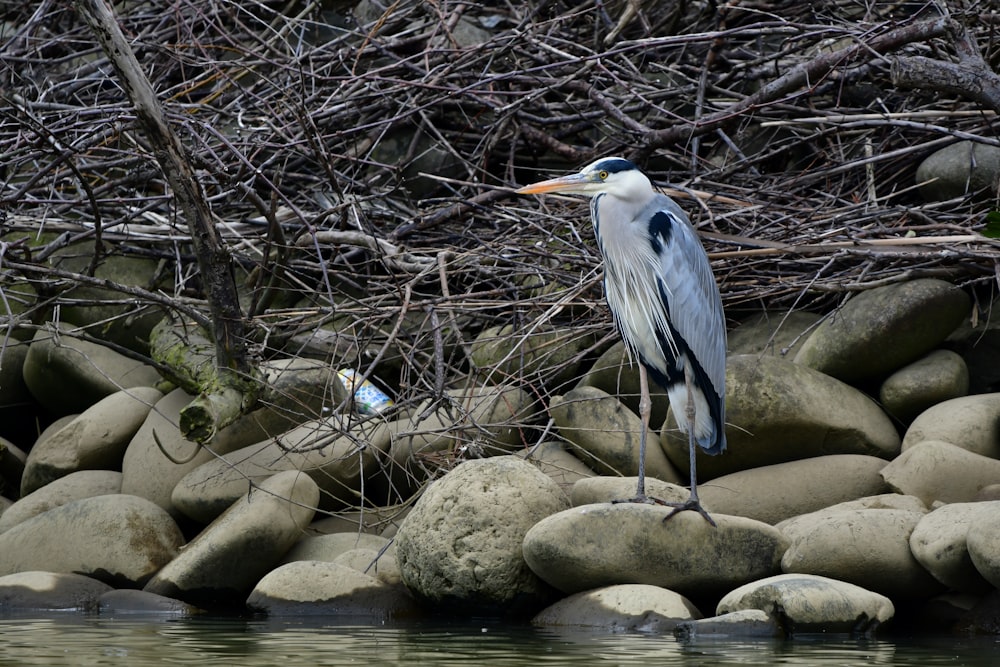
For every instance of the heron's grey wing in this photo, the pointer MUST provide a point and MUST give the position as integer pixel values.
(694, 304)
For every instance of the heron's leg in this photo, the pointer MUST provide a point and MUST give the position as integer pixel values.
(645, 405)
(692, 502)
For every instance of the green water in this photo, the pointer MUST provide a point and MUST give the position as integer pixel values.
(76, 640)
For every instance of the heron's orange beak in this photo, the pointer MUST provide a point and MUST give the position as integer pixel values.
(573, 183)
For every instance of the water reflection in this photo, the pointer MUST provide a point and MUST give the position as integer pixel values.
(76, 640)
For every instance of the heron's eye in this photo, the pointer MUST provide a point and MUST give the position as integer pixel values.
(603, 175)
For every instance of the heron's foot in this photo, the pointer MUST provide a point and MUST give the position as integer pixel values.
(689, 505)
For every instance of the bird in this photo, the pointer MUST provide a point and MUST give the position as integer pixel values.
(664, 300)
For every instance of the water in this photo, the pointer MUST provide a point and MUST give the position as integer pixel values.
(79, 640)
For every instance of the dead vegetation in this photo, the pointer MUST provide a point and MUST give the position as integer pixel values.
(358, 159)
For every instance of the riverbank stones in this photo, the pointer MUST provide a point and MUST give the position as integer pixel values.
(937, 377)
(868, 548)
(969, 422)
(120, 539)
(983, 542)
(34, 591)
(939, 543)
(778, 411)
(630, 543)
(881, 330)
(94, 440)
(940, 471)
(802, 603)
(621, 608)
(957, 169)
(460, 547)
(605, 434)
(231, 555)
(75, 486)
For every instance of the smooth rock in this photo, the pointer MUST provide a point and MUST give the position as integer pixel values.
(130, 602)
(868, 548)
(881, 330)
(957, 169)
(329, 589)
(610, 489)
(804, 603)
(328, 548)
(629, 543)
(552, 459)
(33, 590)
(149, 473)
(933, 379)
(621, 608)
(939, 544)
(68, 375)
(970, 422)
(382, 566)
(530, 356)
(75, 486)
(605, 434)
(983, 543)
(94, 440)
(939, 471)
(777, 334)
(616, 375)
(795, 526)
(320, 449)
(459, 549)
(776, 492)
(122, 540)
(484, 421)
(231, 555)
(777, 411)
(749, 623)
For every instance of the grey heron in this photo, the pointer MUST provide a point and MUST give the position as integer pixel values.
(664, 301)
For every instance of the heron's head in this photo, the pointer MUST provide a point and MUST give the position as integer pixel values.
(613, 176)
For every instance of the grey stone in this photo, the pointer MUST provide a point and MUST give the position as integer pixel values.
(748, 623)
(881, 330)
(93, 440)
(939, 544)
(795, 526)
(620, 608)
(515, 355)
(616, 375)
(604, 434)
(937, 377)
(970, 422)
(130, 602)
(329, 589)
(777, 334)
(552, 459)
(630, 543)
(609, 489)
(983, 542)
(776, 492)
(868, 548)
(75, 486)
(460, 546)
(32, 591)
(320, 449)
(939, 471)
(957, 169)
(328, 548)
(238, 548)
(382, 566)
(122, 540)
(777, 411)
(68, 375)
(807, 603)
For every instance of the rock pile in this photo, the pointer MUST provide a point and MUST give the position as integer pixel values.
(836, 512)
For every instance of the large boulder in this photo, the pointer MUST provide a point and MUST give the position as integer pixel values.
(939, 471)
(868, 548)
(615, 374)
(983, 542)
(969, 422)
(94, 440)
(935, 378)
(809, 603)
(630, 543)
(605, 434)
(778, 411)
(939, 543)
(231, 555)
(776, 492)
(514, 354)
(75, 486)
(621, 608)
(959, 168)
(67, 374)
(121, 540)
(776, 334)
(883, 329)
(459, 549)
(32, 591)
